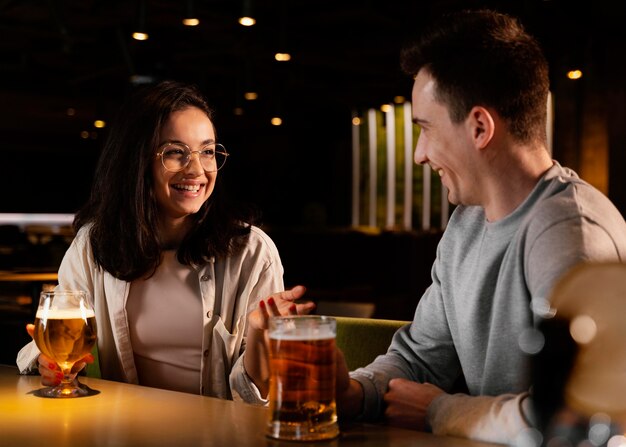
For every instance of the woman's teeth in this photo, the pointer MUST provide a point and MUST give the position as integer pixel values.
(192, 188)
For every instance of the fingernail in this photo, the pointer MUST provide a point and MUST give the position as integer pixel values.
(270, 300)
(59, 375)
(52, 365)
(262, 304)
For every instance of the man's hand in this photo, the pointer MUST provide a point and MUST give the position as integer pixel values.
(408, 402)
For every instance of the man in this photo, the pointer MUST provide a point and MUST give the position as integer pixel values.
(522, 220)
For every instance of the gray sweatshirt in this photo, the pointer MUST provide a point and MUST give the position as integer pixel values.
(475, 317)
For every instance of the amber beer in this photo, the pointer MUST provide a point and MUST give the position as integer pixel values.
(302, 378)
(66, 335)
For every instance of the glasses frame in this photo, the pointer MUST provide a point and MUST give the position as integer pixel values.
(218, 146)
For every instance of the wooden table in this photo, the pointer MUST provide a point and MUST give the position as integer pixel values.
(132, 415)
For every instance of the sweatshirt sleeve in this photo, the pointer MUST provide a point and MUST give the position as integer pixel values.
(497, 419)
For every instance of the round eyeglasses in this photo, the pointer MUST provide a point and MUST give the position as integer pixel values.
(176, 156)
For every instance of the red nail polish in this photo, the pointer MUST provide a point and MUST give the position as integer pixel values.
(262, 304)
(270, 300)
(52, 366)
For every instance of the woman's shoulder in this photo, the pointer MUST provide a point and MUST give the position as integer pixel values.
(258, 236)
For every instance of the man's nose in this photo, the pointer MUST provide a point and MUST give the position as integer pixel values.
(419, 156)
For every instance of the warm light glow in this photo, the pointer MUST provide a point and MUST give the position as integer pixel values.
(574, 74)
(71, 111)
(84, 134)
(385, 108)
(24, 300)
(583, 329)
(356, 121)
(247, 21)
(276, 121)
(191, 21)
(282, 57)
(399, 99)
(238, 111)
(140, 36)
(250, 96)
(99, 124)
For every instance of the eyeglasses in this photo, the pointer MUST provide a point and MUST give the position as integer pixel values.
(176, 156)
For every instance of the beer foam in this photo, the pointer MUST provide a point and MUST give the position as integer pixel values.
(301, 334)
(65, 314)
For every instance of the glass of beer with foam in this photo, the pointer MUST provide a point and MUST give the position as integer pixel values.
(65, 331)
(302, 378)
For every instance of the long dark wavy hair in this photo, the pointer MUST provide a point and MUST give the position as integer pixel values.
(122, 207)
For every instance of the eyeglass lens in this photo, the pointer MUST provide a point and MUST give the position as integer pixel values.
(176, 157)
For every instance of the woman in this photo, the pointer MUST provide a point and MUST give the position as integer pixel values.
(176, 275)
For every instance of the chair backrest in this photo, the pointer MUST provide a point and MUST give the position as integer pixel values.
(363, 339)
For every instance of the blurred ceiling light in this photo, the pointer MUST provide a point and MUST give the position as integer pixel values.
(99, 124)
(282, 57)
(250, 96)
(191, 21)
(140, 36)
(247, 21)
(246, 18)
(84, 134)
(71, 111)
(238, 111)
(190, 18)
(399, 99)
(140, 30)
(574, 74)
(385, 108)
(356, 121)
(277, 121)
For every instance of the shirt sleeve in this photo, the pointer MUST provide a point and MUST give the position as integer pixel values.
(422, 351)
(497, 419)
(269, 280)
(27, 358)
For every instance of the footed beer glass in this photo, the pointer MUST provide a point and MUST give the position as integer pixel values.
(302, 378)
(65, 331)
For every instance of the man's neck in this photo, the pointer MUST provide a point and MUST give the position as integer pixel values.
(512, 179)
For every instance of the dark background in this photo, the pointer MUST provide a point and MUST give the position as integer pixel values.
(58, 54)
(79, 54)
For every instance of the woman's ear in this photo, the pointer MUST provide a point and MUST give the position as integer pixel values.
(481, 125)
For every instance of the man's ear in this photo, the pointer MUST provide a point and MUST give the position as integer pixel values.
(481, 125)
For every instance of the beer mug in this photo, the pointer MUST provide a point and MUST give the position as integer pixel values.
(302, 378)
(65, 331)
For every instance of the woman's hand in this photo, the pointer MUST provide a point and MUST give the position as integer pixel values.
(50, 371)
(281, 303)
(256, 356)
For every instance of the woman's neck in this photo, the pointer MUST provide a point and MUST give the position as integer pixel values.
(173, 231)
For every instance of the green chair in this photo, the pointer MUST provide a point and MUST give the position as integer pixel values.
(363, 339)
(93, 369)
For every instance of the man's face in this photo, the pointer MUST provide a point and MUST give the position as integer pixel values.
(444, 145)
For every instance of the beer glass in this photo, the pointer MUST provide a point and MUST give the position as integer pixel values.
(302, 378)
(65, 331)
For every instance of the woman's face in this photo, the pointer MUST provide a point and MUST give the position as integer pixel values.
(180, 194)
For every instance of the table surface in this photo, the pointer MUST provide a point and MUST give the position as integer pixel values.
(131, 415)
